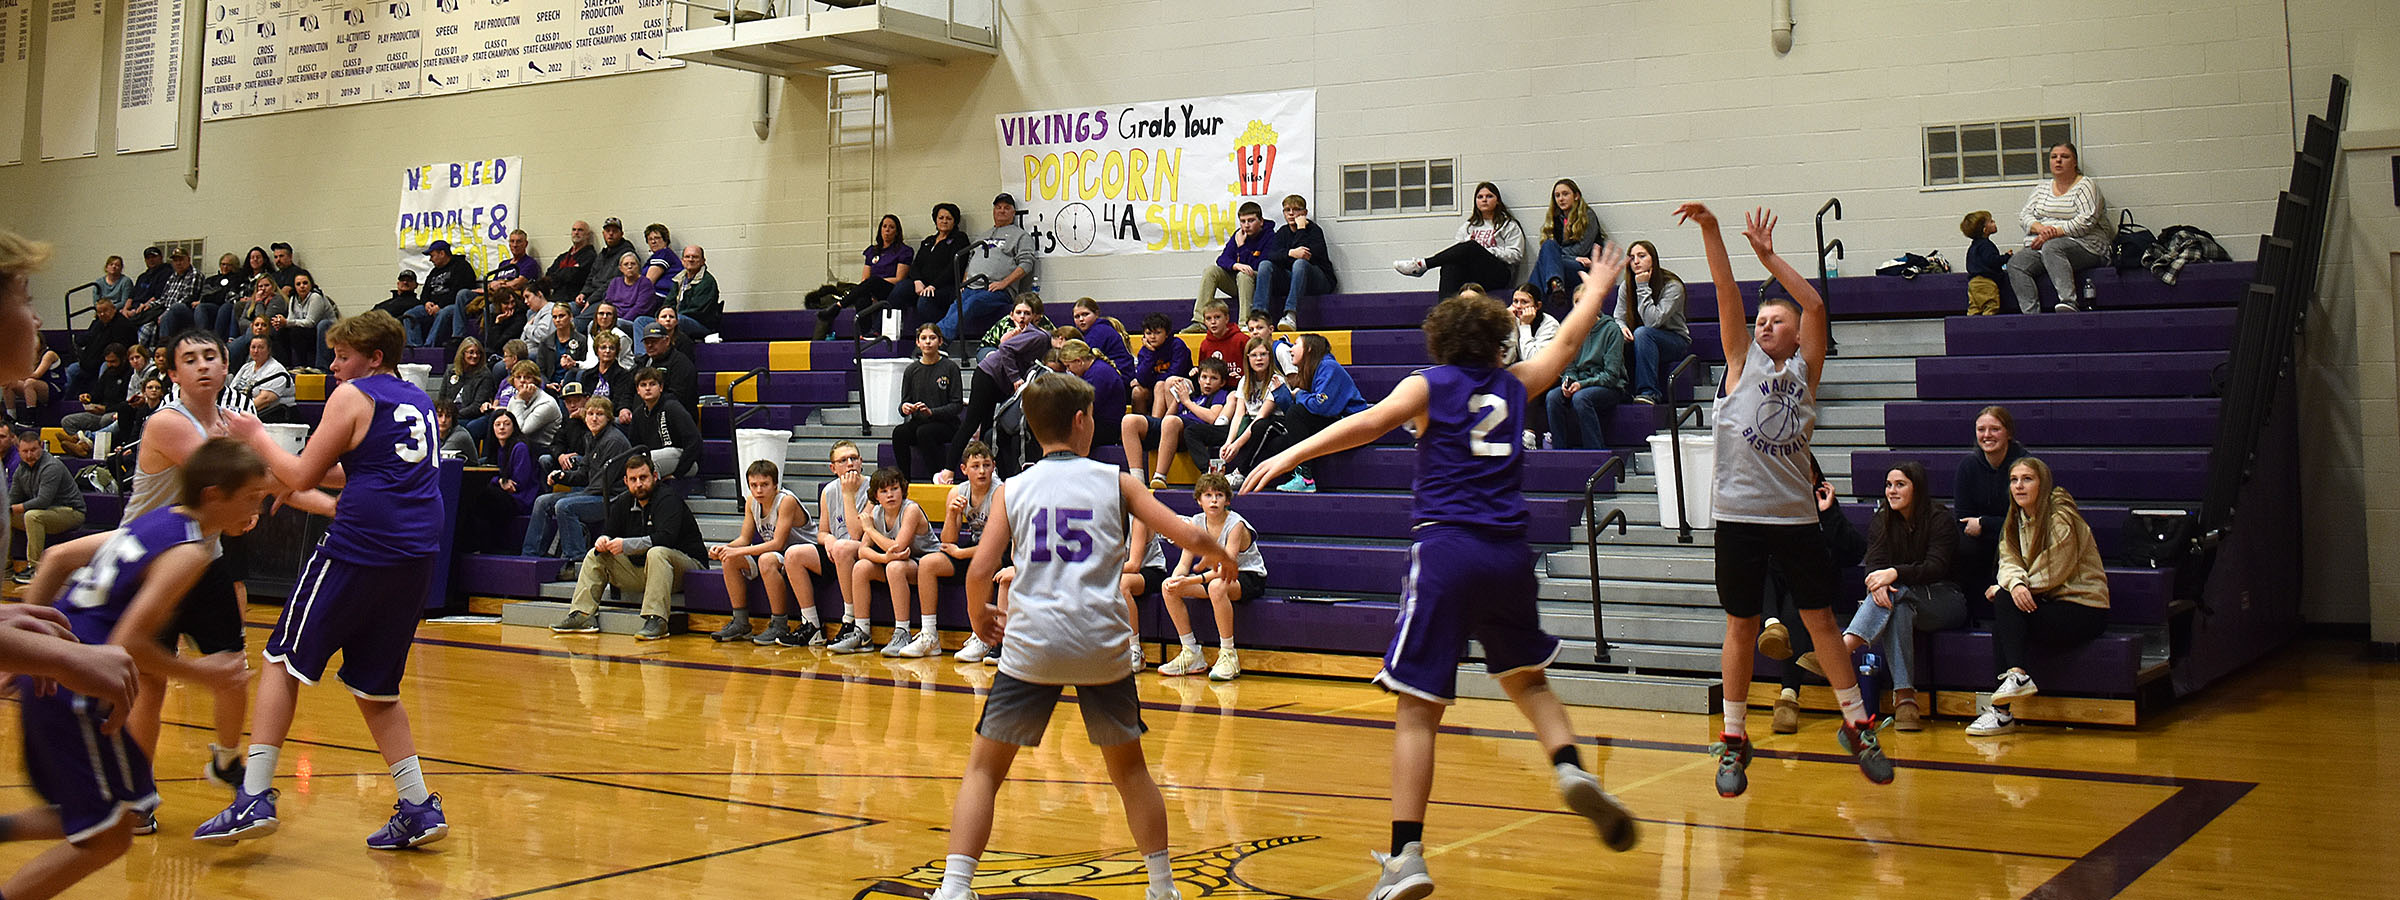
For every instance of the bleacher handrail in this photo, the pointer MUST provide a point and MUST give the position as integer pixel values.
(1683, 516)
(744, 415)
(67, 300)
(1824, 272)
(1592, 525)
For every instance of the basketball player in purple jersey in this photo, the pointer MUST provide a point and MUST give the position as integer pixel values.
(1470, 570)
(361, 593)
(124, 591)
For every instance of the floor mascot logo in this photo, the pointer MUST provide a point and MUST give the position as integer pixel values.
(1097, 875)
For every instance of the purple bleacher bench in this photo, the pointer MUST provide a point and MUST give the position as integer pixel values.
(2178, 422)
(2108, 666)
(1388, 516)
(2119, 331)
(2172, 476)
(2059, 375)
(502, 576)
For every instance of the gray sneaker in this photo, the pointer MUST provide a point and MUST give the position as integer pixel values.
(735, 630)
(1863, 742)
(1581, 790)
(1404, 876)
(776, 629)
(576, 622)
(654, 628)
(899, 642)
(853, 640)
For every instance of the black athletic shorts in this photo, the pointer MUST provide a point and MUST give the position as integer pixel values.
(1797, 553)
(212, 613)
(1153, 577)
(1254, 586)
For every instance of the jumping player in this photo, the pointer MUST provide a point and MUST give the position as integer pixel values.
(124, 591)
(362, 591)
(1765, 491)
(1471, 572)
(1065, 625)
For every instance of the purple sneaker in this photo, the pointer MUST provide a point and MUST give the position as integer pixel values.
(413, 825)
(250, 816)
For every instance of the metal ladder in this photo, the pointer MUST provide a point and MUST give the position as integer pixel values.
(857, 138)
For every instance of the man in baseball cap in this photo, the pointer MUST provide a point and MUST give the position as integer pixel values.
(680, 377)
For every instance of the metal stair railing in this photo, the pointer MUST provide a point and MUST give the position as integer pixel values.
(1593, 522)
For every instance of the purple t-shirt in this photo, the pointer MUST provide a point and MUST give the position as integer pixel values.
(1211, 400)
(390, 510)
(1470, 469)
(885, 262)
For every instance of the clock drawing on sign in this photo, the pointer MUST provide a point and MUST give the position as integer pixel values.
(1075, 228)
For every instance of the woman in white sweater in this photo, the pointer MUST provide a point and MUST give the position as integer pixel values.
(1490, 243)
(2067, 230)
(1530, 330)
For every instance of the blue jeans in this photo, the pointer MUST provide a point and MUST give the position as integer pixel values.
(1915, 608)
(570, 514)
(1287, 280)
(324, 350)
(1552, 263)
(923, 309)
(1655, 353)
(974, 312)
(419, 324)
(182, 317)
(1575, 423)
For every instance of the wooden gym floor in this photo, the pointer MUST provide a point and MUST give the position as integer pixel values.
(599, 767)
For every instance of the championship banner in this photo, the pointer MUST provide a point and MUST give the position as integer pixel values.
(150, 82)
(471, 204)
(16, 61)
(71, 79)
(1156, 176)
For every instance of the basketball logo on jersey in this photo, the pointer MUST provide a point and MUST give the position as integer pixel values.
(1779, 428)
(1092, 875)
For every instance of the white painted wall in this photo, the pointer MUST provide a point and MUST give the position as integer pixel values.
(2187, 115)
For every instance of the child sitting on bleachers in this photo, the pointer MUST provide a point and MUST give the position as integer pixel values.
(1530, 330)
(1986, 265)
(1105, 334)
(1287, 357)
(1215, 519)
(1192, 408)
(893, 535)
(1163, 356)
(1221, 341)
(1318, 395)
(969, 506)
(773, 535)
(1250, 407)
(841, 500)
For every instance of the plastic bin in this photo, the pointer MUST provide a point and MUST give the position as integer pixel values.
(880, 390)
(753, 444)
(293, 437)
(420, 375)
(1699, 468)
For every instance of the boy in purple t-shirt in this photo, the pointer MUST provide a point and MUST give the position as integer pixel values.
(361, 593)
(1471, 570)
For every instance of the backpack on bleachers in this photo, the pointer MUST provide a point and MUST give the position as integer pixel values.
(2178, 246)
(2152, 538)
(2133, 241)
(1910, 265)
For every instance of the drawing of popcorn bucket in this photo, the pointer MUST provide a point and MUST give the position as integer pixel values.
(1254, 159)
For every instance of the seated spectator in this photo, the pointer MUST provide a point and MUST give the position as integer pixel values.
(455, 442)
(659, 269)
(562, 357)
(571, 433)
(520, 271)
(538, 323)
(932, 281)
(999, 266)
(1319, 394)
(143, 306)
(492, 501)
(1236, 268)
(698, 307)
(1220, 340)
(572, 267)
(892, 535)
(1650, 304)
(1779, 641)
(605, 379)
(266, 383)
(1297, 264)
(969, 507)
(1162, 356)
(2051, 587)
(256, 264)
(33, 393)
(264, 305)
(589, 471)
(286, 268)
(675, 369)
(1909, 584)
(842, 500)
(1190, 410)
(648, 540)
(216, 291)
(1105, 335)
(107, 329)
(681, 339)
(606, 320)
(126, 445)
(1591, 387)
(1986, 265)
(104, 396)
(1489, 244)
(996, 378)
(1108, 387)
(774, 527)
(113, 284)
(138, 362)
(630, 293)
(404, 296)
(1569, 233)
(1246, 584)
(613, 246)
(43, 499)
(179, 303)
(537, 416)
(1981, 491)
(663, 427)
(1252, 406)
(503, 315)
(2067, 230)
(887, 263)
(472, 385)
(1530, 330)
(929, 408)
(302, 330)
(436, 318)
(1008, 325)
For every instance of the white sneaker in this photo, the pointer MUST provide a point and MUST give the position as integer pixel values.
(1403, 876)
(2012, 686)
(1531, 440)
(899, 642)
(1582, 793)
(1136, 658)
(1187, 662)
(853, 640)
(973, 651)
(1228, 667)
(927, 644)
(1994, 720)
(1409, 267)
(955, 895)
(1171, 893)
(1290, 323)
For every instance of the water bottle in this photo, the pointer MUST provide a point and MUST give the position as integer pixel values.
(2089, 291)
(1833, 269)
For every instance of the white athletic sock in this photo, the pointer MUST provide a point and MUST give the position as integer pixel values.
(958, 873)
(258, 771)
(1189, 642)
(222, 755)
(410, 781)
(1854, 708)
(1737, 717)
(1226, 644)
(809, 614)
(848, 618)
(1789, 694)
(926, 624)
(1162, 873)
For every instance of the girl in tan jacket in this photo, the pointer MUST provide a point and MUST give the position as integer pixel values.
(2051, 585)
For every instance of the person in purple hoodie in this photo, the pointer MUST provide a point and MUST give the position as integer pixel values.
(1104, 335)
(1236, 268)
(1162, 357)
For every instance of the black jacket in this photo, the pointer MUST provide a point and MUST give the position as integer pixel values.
(937, 263)
(936, 386)
(400, 303)
(92, 345)
(663, 522)
(441, 286)
(682, 379)
(1981, 490)
(667, 425)
(620, 385)
(470, 391)
(567, 273)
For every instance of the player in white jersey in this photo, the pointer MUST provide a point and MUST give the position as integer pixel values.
(1063, 521)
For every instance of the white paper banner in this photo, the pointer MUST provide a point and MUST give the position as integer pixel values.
(150, 82)
(308, 55)
(71, 55)
(16, 61)
(1155, 176)
(472, 204)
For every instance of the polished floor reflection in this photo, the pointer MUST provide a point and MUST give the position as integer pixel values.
(599, 767)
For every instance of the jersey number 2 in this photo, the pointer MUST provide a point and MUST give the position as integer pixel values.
(420, 434)
(1495, 412)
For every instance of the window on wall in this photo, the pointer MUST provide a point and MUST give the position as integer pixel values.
(1981, 152)
(193, 246)
(1399, 188)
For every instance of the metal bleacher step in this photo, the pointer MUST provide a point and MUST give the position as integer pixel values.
(613, 620)
(1678, 563)
(1615, 592)
(1637, 623)
(1656, 693)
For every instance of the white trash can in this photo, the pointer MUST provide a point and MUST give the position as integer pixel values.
(418, 374)
(881, 390)
(1696, 485)
(293, 437)
(753, 444)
